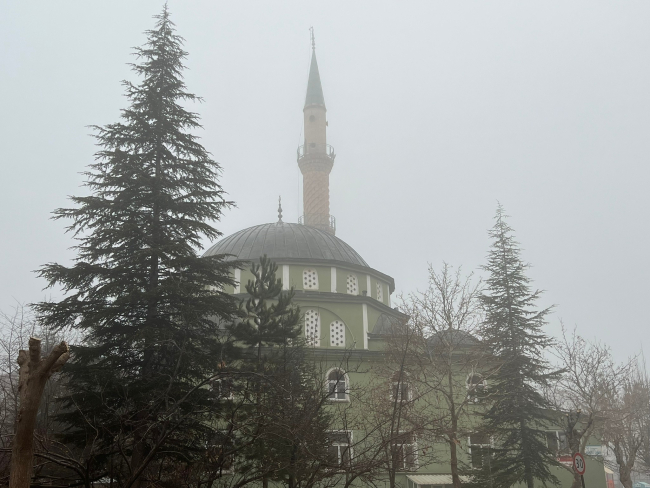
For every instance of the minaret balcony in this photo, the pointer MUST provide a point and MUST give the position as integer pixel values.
(314, 149)
(324, 222)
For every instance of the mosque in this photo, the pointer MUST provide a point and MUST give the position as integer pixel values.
(344, 300)
(346, 303)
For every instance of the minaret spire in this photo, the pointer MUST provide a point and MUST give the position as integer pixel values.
(316, 157)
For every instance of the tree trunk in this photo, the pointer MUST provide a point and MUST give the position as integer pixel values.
(528, 474)
(453, 438)
(33, 374)
(624, 476)
(455, 479)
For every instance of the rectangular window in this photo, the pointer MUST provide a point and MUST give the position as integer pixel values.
(401, 391)
(404, 451)
(223, 388)
(339, 451)
(337, 386)
(556, 441)
(480, 449)
(221, 452)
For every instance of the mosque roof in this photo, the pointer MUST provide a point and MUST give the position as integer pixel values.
(455, 337)
(314, 87)
(284, 240)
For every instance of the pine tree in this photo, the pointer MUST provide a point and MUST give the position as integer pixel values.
(267, 317)
(513, 329)
(145, 302)
(281, 416)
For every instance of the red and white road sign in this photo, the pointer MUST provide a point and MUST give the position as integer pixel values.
(579, 463)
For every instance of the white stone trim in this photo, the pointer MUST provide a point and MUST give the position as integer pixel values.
(237, 280)
(285, 277)
(364, 309)
(368, 289)
(333, 279)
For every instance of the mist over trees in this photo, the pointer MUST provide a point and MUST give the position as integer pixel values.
(174, 382)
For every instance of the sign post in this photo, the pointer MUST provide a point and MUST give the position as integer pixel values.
(580, 466)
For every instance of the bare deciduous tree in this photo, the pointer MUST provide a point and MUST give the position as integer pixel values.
(582, 393)
(626, 428)
(33, 374)
(449, 356)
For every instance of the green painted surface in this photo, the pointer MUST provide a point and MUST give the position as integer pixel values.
(368, 369)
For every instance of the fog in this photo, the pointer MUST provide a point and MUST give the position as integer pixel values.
(437, 111)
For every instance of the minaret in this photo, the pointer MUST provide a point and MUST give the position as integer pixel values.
(316, 157)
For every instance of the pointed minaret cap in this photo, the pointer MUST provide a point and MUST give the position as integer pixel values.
(314, 87)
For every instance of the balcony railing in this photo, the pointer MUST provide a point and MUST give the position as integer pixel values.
(319, 220)
(313, 148)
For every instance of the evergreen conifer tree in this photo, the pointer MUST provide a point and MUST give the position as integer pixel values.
(281, 418)
(513, 329)
(145, 302)
(268, 316)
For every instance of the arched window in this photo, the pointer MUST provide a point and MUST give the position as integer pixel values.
(312, 327)
(353, 284)
(476, 385)
(338, 386)
(380, 292)
(310, 279)
(401, 388)
(337, 334)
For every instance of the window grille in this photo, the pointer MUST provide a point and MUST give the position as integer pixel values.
(380, 292)
(309, 279)
(353, 284)
(312, 327)
(337, 334)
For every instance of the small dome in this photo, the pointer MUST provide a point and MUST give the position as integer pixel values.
(288, 241)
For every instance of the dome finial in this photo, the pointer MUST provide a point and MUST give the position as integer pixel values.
(313, 40)
(280, 209)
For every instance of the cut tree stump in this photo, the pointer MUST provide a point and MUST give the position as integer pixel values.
(33, 374)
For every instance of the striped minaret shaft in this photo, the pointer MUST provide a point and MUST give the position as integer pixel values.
(315, 157)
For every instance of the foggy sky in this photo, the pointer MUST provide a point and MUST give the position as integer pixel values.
(436, 111)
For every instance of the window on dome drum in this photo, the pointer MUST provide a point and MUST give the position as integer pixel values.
(339, 451)
(353, 284)
(221, 451)
(337, 386)
(404, 451)
(337, 334)
(480, 449)
(556, 442)
(380, 292)
(401, 388)
(310, 279)
(475, 387)
(312, 327)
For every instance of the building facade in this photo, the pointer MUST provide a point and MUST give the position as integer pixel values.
(347, 310)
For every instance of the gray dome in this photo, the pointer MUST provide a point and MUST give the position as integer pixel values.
(288, 241)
